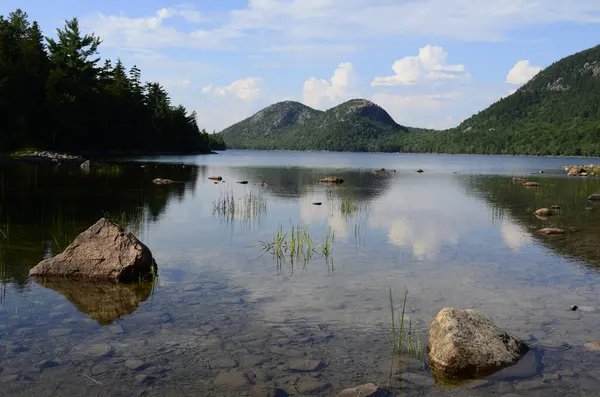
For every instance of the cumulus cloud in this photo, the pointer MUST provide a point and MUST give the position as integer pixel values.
(245, 89)
(320, 93)
(522, 72)
(280, 22)
(430, 64)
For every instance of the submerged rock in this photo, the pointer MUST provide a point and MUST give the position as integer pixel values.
(266, 391)
(331, 179)
(366, 390)
(102, 252)
(518, 180)
(551, 231)
(593, 346)
(163, 181)
(303, 365)
(531, 184)
(464, 344)
(544, 212)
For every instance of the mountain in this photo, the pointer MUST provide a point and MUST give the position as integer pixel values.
(555, 113)
(355, 125)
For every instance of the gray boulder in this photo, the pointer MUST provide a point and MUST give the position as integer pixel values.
(102, 252)
(464, 344)
(594, 197)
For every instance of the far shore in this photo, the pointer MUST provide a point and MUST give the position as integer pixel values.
(418, 153)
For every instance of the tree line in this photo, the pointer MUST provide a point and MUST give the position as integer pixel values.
(55, 94)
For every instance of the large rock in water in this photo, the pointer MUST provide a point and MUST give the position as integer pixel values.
(102, 252)
(464, 344)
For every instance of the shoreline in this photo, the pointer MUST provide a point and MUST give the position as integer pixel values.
(416, 153)
(41, 156)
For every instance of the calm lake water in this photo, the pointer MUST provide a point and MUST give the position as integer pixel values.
(225, 318)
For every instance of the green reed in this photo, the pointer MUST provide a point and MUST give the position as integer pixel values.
(251, 206)
(348, 207)
(296, 246)
(119, 219)
(406, 341)
(109, 170)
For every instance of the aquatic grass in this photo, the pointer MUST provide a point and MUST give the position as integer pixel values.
(406, 341)
(119, 219)
(24, 152)
(296, 246)
(109, 170)
(251, 206)
(348, 207)
(61, 246)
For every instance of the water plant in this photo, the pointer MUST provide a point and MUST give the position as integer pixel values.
(109, 170)
(119, 219)
(406, 341)
(296, 246)
(251, 206)
(348, 207)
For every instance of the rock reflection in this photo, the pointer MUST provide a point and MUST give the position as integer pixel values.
(528, 367)
(103, 302)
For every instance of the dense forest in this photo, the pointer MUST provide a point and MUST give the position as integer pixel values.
(556, 113)
(55, 94)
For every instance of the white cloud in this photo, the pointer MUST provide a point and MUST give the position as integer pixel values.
(522, 72)
(277, 23)
(294, 34)
(245, 89)
(321, 93)
(430, 64)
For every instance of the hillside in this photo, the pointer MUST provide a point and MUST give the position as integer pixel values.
(355, 125)
(555, 113)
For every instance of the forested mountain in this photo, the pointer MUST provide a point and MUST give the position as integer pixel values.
(355, 125)
(55, 95)
(556, 113)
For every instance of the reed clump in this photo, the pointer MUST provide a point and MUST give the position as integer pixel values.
(296, 245)
(407, 340)
(251, 206)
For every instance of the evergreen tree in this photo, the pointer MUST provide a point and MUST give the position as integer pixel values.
(58, 96)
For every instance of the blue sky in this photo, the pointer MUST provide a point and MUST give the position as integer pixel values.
(429, 63)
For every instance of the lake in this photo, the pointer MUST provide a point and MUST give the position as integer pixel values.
(228, 317)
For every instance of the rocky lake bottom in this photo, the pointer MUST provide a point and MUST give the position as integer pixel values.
(224, 319)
